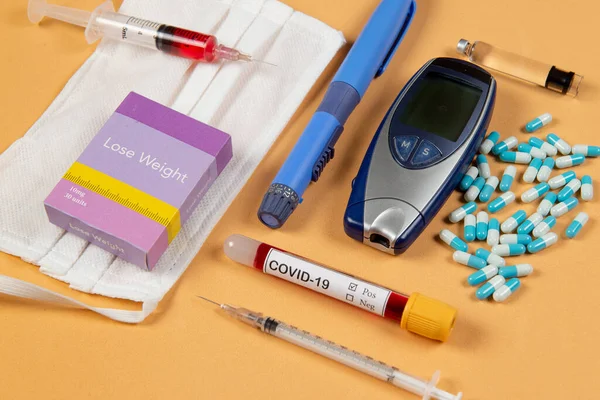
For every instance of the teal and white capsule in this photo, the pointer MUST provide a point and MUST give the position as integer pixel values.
(535, 192)
(588, 151)
(544, 227)
(506, 290)
(468, 178)
(587, 189)
(530, 223)
(543, 145)
(534, 151)
(547, 203)
(505, 145)
(483, 166)
(482, 275)
(515, 271)
(545, 170)
(472, 193)
(532, 170)
(561, 180)
(482, 225)
(470, 231)
(561, 145)
(469, 260)
(570, 161)
(564, 207)
(490, 257)
(538, 122)
(513, 222)
(489, 142)
(507, 178)
(500, 202)
(488, 189)
(511, 238)
(569, 189)
(517, 157)
(576, 225)
(493, 235)
(490, 287)
(506, 250)
(453, 241)
(460, 213)
(542, 243)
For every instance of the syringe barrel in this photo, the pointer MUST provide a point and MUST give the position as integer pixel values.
(121, 27)
(515, 65)
(249, 317)
(358, 361)
(332, 351)
(105, 22)
(417, 313)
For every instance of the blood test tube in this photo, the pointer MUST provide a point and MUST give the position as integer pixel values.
(416, 313)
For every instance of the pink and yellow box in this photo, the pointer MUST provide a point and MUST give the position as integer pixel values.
(139, 180)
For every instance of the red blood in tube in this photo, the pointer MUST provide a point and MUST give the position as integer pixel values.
(184, 43)
(261, 255)
(395, 306)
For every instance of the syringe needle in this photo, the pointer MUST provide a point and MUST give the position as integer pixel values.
(209, 300)
(249, 58)
(263, 62)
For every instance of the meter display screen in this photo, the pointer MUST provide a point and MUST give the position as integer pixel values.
(441, 106)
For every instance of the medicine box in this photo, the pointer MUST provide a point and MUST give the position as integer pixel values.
(139, 180)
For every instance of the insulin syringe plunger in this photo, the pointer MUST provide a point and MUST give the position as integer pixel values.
(105, 22)
(515, 65)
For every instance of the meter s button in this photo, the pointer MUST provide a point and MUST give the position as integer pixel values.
(427, 153)
(404, 145)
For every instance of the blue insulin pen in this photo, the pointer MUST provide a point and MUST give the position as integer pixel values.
(419, 153)
(367, 59)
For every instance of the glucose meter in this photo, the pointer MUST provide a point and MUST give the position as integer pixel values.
(419, 153)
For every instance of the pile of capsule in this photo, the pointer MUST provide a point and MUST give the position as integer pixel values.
(520, 233)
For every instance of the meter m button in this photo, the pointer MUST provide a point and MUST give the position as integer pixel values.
(427, 153)
(404, 145)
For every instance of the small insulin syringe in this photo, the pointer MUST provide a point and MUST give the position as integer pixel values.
(105, 22)
(341, 354)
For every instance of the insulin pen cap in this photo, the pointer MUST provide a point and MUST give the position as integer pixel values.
(428, 317)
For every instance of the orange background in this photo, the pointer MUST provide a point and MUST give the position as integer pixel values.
(541, 344)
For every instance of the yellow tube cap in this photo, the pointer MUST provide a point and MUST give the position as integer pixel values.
(428, 317)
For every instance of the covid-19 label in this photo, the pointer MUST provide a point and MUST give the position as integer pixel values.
(334, 284)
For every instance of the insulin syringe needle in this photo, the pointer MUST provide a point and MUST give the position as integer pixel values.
(425, 388)
(210, 301)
